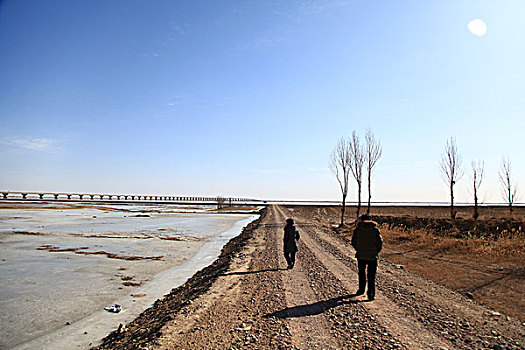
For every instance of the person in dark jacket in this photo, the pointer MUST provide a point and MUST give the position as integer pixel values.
(367, 242)
(291, 236)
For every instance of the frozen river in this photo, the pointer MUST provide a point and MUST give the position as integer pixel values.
(60, 265)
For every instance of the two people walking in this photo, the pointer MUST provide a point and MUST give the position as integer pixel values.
(366, 240)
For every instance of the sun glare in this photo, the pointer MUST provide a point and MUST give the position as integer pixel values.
(477, 27)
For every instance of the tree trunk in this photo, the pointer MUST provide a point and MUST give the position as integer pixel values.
(510, 201)
(476, 212)
(343, 212)
(452, 212)
(369, 193)
(358, 199)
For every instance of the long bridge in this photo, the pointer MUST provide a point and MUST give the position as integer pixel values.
(66, 196)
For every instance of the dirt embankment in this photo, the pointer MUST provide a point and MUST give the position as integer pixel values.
(247, 299)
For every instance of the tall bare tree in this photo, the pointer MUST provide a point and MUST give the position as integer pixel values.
(510, 189)
(477, 178)
(340, 166)
(451, 170)
(357, 160)
(373, 151)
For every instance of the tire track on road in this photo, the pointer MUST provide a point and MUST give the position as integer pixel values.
(308, 331)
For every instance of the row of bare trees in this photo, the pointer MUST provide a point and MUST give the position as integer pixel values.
(452, 172)
(348, 158)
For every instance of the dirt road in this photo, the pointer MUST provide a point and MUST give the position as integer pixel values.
(257, 304)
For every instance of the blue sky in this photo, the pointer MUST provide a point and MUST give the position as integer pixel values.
(248, 98)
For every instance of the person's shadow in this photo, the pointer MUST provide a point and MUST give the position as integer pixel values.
(315, 308)
(240, 273)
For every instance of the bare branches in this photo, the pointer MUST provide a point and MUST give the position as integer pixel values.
(451, 170)
(477, 178)
(373, 152)
(357, 160)
(340, 165)
(510, 189)
(451, 163)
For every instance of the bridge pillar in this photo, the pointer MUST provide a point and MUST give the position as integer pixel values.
(24, 195)
(41, 195)
(56, 196)
(101, 196)
(5, 194)
(68, 196)
(80, 196)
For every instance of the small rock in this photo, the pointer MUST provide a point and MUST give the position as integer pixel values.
(85, 332)
(68, 323)
(469, 295)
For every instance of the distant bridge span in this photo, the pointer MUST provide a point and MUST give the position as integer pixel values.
(65, 196)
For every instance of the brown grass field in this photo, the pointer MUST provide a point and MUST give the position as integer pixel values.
(483, 260)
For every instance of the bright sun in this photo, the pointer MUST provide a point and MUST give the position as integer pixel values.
(477, 27)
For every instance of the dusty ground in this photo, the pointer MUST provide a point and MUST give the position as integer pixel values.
(486, 265)
(247, 300)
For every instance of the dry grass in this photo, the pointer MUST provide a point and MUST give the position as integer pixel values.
(507, 249)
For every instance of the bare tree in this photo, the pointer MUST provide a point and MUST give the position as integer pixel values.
(510, 189)
(357, 160)
(373, 151)
(477, 178)
(451, 170)
(340, 167)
